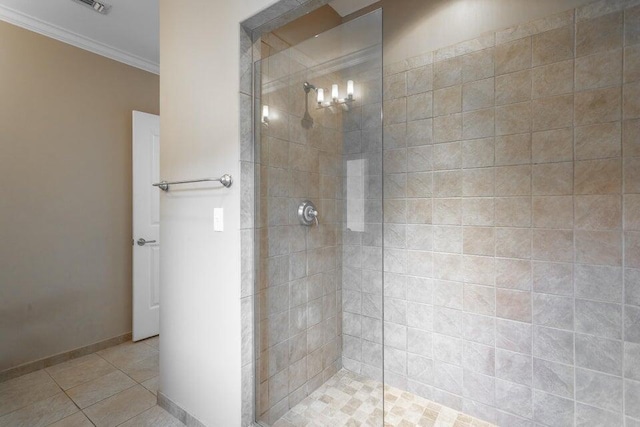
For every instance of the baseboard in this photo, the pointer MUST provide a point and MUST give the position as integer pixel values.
(62, 357)
(174, 409)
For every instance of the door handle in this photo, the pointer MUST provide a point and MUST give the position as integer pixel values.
(142, 242)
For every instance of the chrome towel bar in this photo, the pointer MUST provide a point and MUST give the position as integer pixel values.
(225, 180)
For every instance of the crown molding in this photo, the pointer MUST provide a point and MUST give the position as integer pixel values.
(46, 29)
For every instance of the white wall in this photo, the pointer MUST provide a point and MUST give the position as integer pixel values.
(200, 316)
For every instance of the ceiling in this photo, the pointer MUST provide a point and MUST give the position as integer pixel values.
(129, 33)
(347, 7)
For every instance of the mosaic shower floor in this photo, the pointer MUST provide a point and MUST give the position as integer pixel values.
(350, 400)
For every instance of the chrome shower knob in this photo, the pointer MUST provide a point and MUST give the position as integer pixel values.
(307, 213)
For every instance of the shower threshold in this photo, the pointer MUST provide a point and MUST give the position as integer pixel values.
(349, 399)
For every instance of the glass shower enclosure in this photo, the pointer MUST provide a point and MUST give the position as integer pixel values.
(319, 230)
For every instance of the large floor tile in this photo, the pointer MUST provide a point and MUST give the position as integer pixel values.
(78, 371)
(76, 420)
(154, 417)
(119, 408)
(126, 354)
(25, 390)
(99, 389)
(143, 369)
(152, 384)
(42, 413)
(153, 342)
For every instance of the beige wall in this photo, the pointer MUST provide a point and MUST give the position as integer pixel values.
(65, 197)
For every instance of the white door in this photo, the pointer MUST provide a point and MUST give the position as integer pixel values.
(146, 225)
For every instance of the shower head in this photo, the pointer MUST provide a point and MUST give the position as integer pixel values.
(308, 87)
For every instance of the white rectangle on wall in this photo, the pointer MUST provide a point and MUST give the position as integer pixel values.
(355, 194)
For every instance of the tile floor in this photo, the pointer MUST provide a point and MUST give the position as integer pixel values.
(113, 387)
(349, 399)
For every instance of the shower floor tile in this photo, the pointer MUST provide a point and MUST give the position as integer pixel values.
(348, 399)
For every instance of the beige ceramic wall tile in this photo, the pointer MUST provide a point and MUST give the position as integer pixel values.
(447, 184)
(514, 118)
(478, 124)
(478, 182)
(598, 177)
(447, 101)
(553, 79)
(535, 27)
(513, 212)
(553, 46)
(447, 211)
(598, 106)
(478, 65)
(479, 241)
(552, 245)
(447, 73)
(513, 243)
(420, 79)
(513, 274)
(552, 146)
(599, 70)
(553, 179)
(420, 184)
(478, 153)
(553, 212)
(513, 180)
(599, 247)
(598, 212)
(513, 149)
(479, 94)
(632, 249)
(395, 111)
(513, 56)
(395, 86)
(478, 211)
(514, 305)
(631, 138)
(631, 64)
(632, 100)
(447, 128)
(598, 141)
(600, 34)
(632, 26)
(631, 209)
(513, 87)
(419, 211)
(420, 106)
(632, 175)
(552, 113)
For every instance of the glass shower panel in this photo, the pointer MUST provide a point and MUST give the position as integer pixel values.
(319, 281)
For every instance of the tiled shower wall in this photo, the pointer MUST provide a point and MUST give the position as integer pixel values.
(512, 223)
(298, 301)
(362, 275)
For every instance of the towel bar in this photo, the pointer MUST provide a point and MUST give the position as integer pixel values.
(225, 180)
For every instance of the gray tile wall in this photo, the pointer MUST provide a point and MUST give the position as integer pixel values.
(362, 267)
(298, 299)
(512, 223)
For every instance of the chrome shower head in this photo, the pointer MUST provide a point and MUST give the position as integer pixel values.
(308, 87)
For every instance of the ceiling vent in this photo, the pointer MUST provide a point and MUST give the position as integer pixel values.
(97, 6)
